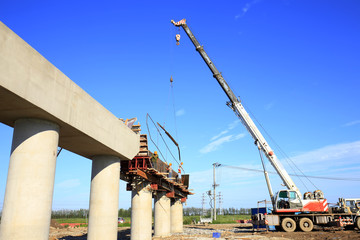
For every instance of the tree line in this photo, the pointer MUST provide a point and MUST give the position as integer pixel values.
(192, 211)
(83, 213)
(189, 211)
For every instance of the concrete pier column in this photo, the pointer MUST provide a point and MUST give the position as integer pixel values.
(30, 183)
(141, 212)
(162, 215)
(176, 216)
(104, 198)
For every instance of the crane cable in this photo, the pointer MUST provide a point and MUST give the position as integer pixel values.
(170, 99)
(159, 132)
(287, 158)
(307, 176)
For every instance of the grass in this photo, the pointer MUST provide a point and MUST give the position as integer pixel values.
(84, 221)
(220, 219)
(71, 220)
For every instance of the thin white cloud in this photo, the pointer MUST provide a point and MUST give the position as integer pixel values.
(269, 106)
(349, 124)
(229, 127)
(331, 154)
(214, 145)
(180, 112)
(67, 184)
(219, 135)
(233, 124)
(246, 8)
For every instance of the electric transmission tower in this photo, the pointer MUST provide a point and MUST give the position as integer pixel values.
(220, 200)
(203, 204)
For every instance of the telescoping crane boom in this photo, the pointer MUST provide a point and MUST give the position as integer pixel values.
(286, 200)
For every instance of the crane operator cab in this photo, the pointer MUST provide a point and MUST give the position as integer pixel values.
(287, 199)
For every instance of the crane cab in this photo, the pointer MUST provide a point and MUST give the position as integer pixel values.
(288, 201)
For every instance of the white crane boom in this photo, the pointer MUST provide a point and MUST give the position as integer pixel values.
(240, 111)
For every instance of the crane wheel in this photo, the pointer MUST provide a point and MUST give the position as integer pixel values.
(306, 225)
(288, 225)
(358, 222)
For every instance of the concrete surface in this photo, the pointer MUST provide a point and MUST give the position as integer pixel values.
(176, 216)
(104, 198)
(31, 87)
(162, 215)
(29, 188)
(141, 212)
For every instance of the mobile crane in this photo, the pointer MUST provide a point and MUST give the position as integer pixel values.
(290, 208)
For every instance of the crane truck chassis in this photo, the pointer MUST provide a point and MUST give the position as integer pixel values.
(345, 214)
(290, 208)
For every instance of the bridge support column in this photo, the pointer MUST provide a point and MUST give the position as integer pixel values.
(104, 198)
(162, 215)
(176, 216)
(30, 183)
(141, 212)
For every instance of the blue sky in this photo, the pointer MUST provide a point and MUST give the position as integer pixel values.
(294, 64)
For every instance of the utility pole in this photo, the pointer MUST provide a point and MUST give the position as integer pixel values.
(215, 165)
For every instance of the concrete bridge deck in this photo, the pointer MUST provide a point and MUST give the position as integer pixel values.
(31, 87)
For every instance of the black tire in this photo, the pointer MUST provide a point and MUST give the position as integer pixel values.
(288, 225)
(357, 222)
(306, 225)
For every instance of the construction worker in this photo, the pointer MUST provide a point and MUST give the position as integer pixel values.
(154, 159)
(170, 170)
(179, 172)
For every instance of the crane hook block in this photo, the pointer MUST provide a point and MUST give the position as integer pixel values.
(179, 23)
(171, 79)
(177, 37)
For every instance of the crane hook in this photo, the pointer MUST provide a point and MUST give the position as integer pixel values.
(177, 37)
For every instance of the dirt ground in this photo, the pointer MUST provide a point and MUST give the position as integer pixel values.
(227, 231)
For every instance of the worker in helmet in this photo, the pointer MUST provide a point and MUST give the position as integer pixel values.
(154, 160)
(170, 170)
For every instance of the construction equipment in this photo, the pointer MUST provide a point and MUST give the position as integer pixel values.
(289, 206)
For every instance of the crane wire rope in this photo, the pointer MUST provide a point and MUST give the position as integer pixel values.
(171, 67)
(147, 125)
(286, 157)
(174, 109)
(289, 161)
(307, 176)
(171, 97)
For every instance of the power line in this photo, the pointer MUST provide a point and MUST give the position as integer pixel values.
(307, 176)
